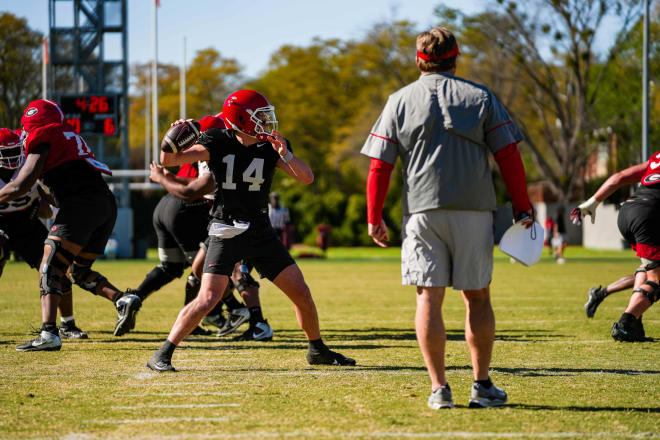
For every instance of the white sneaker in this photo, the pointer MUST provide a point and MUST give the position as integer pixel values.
(483, 397)
(561, 261)
(261, 331)
(441, 398)
(46, 341)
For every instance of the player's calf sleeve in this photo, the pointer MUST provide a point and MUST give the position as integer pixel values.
(159, 276)
(232, 303)
(192, 288)
(85, 277)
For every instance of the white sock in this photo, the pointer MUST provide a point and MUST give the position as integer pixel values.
(66, 319)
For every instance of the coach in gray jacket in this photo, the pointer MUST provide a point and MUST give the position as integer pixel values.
(443, 129)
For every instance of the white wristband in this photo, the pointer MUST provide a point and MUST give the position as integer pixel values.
(287, 157)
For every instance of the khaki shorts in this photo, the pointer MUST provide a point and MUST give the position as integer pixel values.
(448, 248)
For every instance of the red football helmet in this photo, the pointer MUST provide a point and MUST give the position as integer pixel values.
(210, 121)
(11, 149)
(41, 112)
(250, 112)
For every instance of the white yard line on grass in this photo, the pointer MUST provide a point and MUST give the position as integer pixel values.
(159, 420)
(177, 384)
(198, 393)
(186, 405)
(297, 434)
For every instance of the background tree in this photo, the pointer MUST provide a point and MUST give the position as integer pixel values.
(20, 68)
(540, 58)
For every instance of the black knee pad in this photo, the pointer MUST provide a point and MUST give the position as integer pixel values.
(245, 281)
(652, 265)
(653, 295)
(53, 279)
(640, 269)
(173, 270)
(84, 276)
(192, 288)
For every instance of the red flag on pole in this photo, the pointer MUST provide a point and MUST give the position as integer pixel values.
(45, 51)
(157, 3)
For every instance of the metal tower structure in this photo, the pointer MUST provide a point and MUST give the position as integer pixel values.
(88, 77)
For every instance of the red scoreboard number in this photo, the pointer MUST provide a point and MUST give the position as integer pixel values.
(91, 114)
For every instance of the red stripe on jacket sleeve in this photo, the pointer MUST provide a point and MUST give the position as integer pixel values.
(384, 138)
(513, 173)
(378, 183)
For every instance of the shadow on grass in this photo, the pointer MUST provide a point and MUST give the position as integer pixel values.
(383, 333)
(536, 372)
(584, 408)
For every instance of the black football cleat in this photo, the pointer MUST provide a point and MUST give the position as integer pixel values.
(201, 331)
(261, 331)
(160, 364)
(628, 329)
(127, 307)
(69, 330)
(46, 341)
(595, 296)
(328, 357)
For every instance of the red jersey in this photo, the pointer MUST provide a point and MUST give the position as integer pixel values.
(188, 170)
(65, 146)
(652, 174)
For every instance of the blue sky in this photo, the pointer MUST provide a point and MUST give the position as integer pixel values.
(249, 31)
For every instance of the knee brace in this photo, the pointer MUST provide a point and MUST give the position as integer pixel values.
(245, 280)
(653, 295)
(640, 269)
(53, 279)
(173, 270)
(192, 288)
(652, 265)
(84, 276)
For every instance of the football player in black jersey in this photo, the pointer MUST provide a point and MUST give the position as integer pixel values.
(242, 160)
(639, 223)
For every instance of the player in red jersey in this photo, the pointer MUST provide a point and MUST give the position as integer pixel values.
(639, 223)
(21, 230)
(84, 222)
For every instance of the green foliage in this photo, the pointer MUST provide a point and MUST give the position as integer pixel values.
(20, 68)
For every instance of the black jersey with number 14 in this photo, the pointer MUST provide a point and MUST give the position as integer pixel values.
(243, 175)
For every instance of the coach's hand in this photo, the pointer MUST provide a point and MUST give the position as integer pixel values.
(525, 217)
(379, 233)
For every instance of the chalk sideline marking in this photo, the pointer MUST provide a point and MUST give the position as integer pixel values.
(160, 420)
(297, 434)
(186, 405)
(197, 393)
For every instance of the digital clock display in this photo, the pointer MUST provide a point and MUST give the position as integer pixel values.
(91, 114)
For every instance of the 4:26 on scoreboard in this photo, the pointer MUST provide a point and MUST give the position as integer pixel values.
(91, 114)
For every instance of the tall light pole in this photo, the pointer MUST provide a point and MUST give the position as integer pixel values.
(645, 86)
(154, 88)
(182, 83)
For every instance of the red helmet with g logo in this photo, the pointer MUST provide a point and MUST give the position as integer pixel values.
(41, 112)
(11, 149)
(250, 112)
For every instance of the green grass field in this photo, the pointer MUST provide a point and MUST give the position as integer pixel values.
(565, 376)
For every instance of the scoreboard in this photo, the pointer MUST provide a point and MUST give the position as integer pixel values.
(91, 114)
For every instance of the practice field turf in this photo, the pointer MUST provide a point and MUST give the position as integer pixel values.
(565, 376)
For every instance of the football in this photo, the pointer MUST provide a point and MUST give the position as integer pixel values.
(179, 137)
